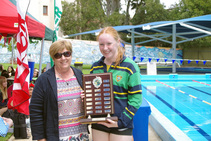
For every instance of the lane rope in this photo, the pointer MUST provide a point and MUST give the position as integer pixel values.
(184, 92)
(201, 82)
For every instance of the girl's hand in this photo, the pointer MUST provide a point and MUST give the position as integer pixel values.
(42, 140)
(9, 121)
(109, 123)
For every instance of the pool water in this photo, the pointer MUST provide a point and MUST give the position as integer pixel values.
(184, 100)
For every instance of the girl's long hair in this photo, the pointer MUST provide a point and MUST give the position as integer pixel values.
(2, 88)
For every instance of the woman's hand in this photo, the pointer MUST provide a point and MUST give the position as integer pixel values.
(82, 95)
(109, 123)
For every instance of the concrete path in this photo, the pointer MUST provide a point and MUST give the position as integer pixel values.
(152, 136)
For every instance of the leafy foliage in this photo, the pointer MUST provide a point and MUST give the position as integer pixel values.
(81, 16)
(150, 11)
(115, 19)
(86, 15)
(188, 9)
(8, 44)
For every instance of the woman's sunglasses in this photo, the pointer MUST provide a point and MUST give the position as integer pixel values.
(59, 55)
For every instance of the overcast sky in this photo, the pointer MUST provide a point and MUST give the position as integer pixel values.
(168, 3)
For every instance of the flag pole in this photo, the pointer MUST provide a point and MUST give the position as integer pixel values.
(51, 60)
(57, 17)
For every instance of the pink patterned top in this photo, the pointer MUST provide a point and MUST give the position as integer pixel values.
(70, 111)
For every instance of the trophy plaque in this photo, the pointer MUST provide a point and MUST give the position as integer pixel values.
(98, 101)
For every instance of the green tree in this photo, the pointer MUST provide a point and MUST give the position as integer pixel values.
(110, 6)
(149, 11)
(188, 9)
(115, 19)
(13, 42)
(89, 15)
(81, 16)
(8, 45)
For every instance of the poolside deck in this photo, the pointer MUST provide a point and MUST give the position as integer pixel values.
(153, 136)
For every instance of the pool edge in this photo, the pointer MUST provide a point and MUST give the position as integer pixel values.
(164, 127)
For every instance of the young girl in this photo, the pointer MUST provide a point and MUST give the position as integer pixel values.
(11, 71)
(1, 68)
(126, 88)
(3, 95)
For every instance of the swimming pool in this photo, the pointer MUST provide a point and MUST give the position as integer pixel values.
(185, 100)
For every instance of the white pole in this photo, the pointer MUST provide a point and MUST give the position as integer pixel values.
(41, 56)
(12, 50)
(174, 47)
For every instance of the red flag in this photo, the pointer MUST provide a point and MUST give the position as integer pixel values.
(19, 99)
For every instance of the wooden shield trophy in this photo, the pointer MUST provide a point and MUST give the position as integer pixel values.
(98, 89)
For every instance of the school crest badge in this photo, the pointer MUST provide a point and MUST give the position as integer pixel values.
(118, 78)
(97, 82)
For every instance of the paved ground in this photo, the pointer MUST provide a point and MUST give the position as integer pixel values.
(152, 136)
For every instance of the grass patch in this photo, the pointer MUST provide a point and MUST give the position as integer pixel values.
(15, 65)
(7, 137)
(86, 71)
(85, 66)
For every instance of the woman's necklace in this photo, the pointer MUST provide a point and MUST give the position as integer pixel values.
(62, 77)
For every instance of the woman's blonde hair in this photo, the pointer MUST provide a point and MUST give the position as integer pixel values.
(110, 30)
(2, 88)
(59, 46)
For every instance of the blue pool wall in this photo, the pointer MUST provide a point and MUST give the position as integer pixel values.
(88, 52)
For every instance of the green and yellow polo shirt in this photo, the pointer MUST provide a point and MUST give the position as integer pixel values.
(126, 88)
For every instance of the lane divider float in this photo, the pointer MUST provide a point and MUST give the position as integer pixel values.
(201, 82)
(184, 92)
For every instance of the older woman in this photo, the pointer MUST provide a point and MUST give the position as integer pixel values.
(56, 106)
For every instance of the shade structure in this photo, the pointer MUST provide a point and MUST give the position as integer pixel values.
(185, 29)
(9, 25)
(9, 22)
